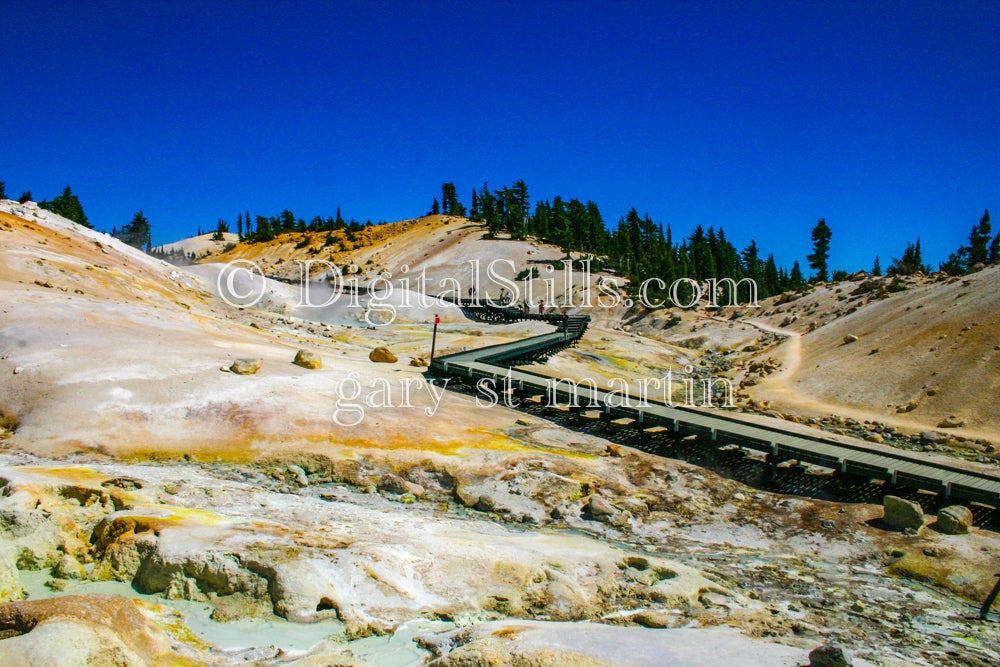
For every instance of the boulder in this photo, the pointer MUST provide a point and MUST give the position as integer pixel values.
(830, 655)
(419, 362)
(68, 567)
(901, 513)
(81, 630)
(382, 355)
(300, 474)
(954, 520)
(245, 366)
(933, 438)
(850, 338)
(951, 422)
(10, 581)
(396, 485)
(600, 509)
(308, 359)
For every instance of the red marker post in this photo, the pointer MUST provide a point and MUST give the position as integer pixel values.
(434, 336)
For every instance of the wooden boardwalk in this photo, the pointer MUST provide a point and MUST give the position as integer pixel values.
(852, 457)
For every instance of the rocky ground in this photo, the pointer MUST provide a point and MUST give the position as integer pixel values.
(173, 490)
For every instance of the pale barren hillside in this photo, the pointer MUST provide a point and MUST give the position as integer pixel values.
(199, 245)
(438, 247)
(105, 350)
(922, 355)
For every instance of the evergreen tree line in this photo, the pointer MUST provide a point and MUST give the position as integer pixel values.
(982, 249)
(639, 249)
(265, 228)
(636, 248)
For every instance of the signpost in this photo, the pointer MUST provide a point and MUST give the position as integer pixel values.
(434, 336)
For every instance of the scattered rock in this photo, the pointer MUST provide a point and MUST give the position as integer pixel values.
(931, 552)
(613, 450)
(57, 584)
(951, 422)
(300, 474)
(10, 581)
(308, 359)
(600, 509)
(658, 618)
(397, 486)
(245, 366)
(850, 338)
(68, 567)
(933, 438)
(122, 483)
(382, 355)
(902, 513)
(419, 362)
(954, 520)
(830, 655)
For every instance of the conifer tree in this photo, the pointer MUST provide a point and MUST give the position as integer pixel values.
(772, 280)
(67, 205)
(435, 207)
(795, 279)
(137, 232)
(995, 249)
(220, 230)
(821, 235)
(474, 213)
(25, 196)
(979, 240)
(876, 267)
(3, 192)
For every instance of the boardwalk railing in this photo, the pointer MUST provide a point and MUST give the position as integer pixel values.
(852, 457)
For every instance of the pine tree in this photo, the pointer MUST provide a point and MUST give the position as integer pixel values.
(876, 267)
(772, 279)
(137, 232)
(449, 200)
(67, 205)
(435, 207)
(3, 192)
(979, 240)
(821, 235)
(25, 196)
(795, 279)
(995, 249)
(220, 230)
(474, 214)
(489, 211)
(911, 262)
(239, 227)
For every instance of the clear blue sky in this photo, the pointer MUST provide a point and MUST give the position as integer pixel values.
(881, 117)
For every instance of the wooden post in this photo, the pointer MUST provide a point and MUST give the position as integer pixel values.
(434, 336)
(984, 612)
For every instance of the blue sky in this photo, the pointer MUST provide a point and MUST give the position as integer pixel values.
(880, 117)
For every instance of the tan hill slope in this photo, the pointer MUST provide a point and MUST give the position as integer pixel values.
(923, 357)
(107, 351)
(437, 247)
